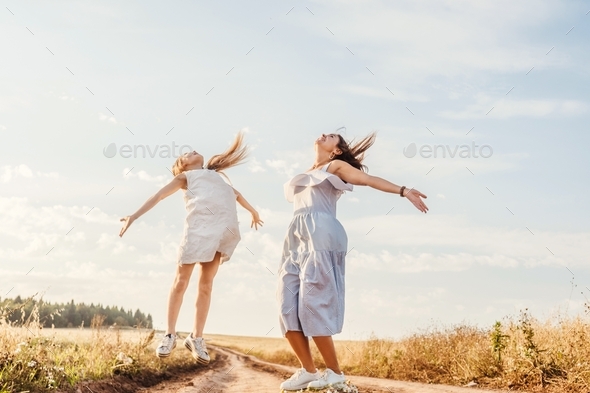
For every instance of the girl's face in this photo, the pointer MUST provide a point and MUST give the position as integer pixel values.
(328, 142)
(192, 159)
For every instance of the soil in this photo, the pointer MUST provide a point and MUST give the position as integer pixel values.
(233, 372)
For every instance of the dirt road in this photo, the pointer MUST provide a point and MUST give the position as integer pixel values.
(234, 372)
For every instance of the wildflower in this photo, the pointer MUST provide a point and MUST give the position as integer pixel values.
(124, 358)
(32, 363)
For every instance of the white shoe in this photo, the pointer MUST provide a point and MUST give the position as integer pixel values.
(166, 346)
(299, 380)
(198, 349)
(328, 379)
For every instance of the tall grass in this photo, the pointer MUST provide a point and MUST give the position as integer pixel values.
(520, 353)
(33, 360)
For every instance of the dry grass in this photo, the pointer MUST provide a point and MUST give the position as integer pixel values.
(35, 359)
(520, 354)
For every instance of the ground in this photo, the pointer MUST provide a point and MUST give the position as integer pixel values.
(233, 372)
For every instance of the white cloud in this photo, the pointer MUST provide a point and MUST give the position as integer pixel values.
(255, 166)
(397, 95)
(128, 173)
(283, 167)
(452, 38)
(507, 108)
(465, 245)
(107, 118)
(9, 173)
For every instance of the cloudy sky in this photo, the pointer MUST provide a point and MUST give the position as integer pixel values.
(495, 88)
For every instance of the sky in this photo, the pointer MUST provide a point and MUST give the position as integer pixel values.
(483, 106)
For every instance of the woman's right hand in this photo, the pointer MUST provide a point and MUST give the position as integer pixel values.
(127, 221)
(415, 196)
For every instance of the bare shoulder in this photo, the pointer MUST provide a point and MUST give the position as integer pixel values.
(180, 179)
(336, 165)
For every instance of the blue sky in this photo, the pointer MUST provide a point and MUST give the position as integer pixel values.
(501, 233)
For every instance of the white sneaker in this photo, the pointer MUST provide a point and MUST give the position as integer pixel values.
(299, 380)
(329, 379)
(198, 349)
(166, 346)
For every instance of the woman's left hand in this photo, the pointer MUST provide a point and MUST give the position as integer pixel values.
(415, 196)
(256, 220)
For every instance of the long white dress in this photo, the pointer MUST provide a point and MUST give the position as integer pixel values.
(311, 274)
(211, 223)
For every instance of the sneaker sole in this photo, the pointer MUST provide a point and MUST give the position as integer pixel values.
(199, 360)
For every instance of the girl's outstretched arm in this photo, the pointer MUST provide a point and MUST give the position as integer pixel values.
(244, 203)
(350, 174)
(176, 184)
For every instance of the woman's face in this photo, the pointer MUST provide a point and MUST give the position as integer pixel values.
(192, 158)
(328, 142)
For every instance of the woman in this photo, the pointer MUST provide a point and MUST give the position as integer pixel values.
(311, 285)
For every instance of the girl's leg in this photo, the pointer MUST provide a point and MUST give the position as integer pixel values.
(183, 275)
(325, 345)
(300, 345)
(208, 272)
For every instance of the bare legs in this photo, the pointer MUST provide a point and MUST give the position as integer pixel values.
(183, 275)
(300, 345)
(208, 271)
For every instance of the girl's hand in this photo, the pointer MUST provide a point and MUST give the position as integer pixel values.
(127, 221)
(256, 220)
(415, 196)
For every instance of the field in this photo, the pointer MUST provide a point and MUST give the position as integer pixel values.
(518, 354)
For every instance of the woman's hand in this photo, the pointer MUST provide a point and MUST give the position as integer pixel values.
(415, 196)
(127, 221)
(256, 220)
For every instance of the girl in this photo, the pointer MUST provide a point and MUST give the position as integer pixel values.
(211, 234)
(311, 285)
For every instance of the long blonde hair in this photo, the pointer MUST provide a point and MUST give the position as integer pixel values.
(233, 156)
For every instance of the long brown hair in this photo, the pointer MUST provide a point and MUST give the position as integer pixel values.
(354, 152)
(233, 156)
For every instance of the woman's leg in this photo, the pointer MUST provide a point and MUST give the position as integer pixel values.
(208, 272)
(325, 345)
(183, 275)
(300, 345)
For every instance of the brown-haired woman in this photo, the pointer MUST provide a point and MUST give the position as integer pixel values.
(311, 285)
(211, 233)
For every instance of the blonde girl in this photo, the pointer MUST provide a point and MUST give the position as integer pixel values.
(211, 233)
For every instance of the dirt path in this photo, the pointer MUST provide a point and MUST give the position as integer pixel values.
(236, 372)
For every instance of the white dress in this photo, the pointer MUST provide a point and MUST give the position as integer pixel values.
(311, 274)
(211, 223)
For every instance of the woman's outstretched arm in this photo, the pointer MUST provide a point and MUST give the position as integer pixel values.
(350, 174)
(244, 203)
(176, 184)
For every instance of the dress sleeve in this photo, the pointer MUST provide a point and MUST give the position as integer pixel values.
(313, 179)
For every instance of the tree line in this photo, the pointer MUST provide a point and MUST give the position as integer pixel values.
(64, 315)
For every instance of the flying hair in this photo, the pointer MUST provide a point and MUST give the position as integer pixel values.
(234, 155)
(354, 152)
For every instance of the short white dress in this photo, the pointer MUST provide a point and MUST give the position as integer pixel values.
(211, 223)
(311, 274)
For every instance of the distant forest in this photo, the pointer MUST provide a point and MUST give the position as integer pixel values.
(63, 315)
